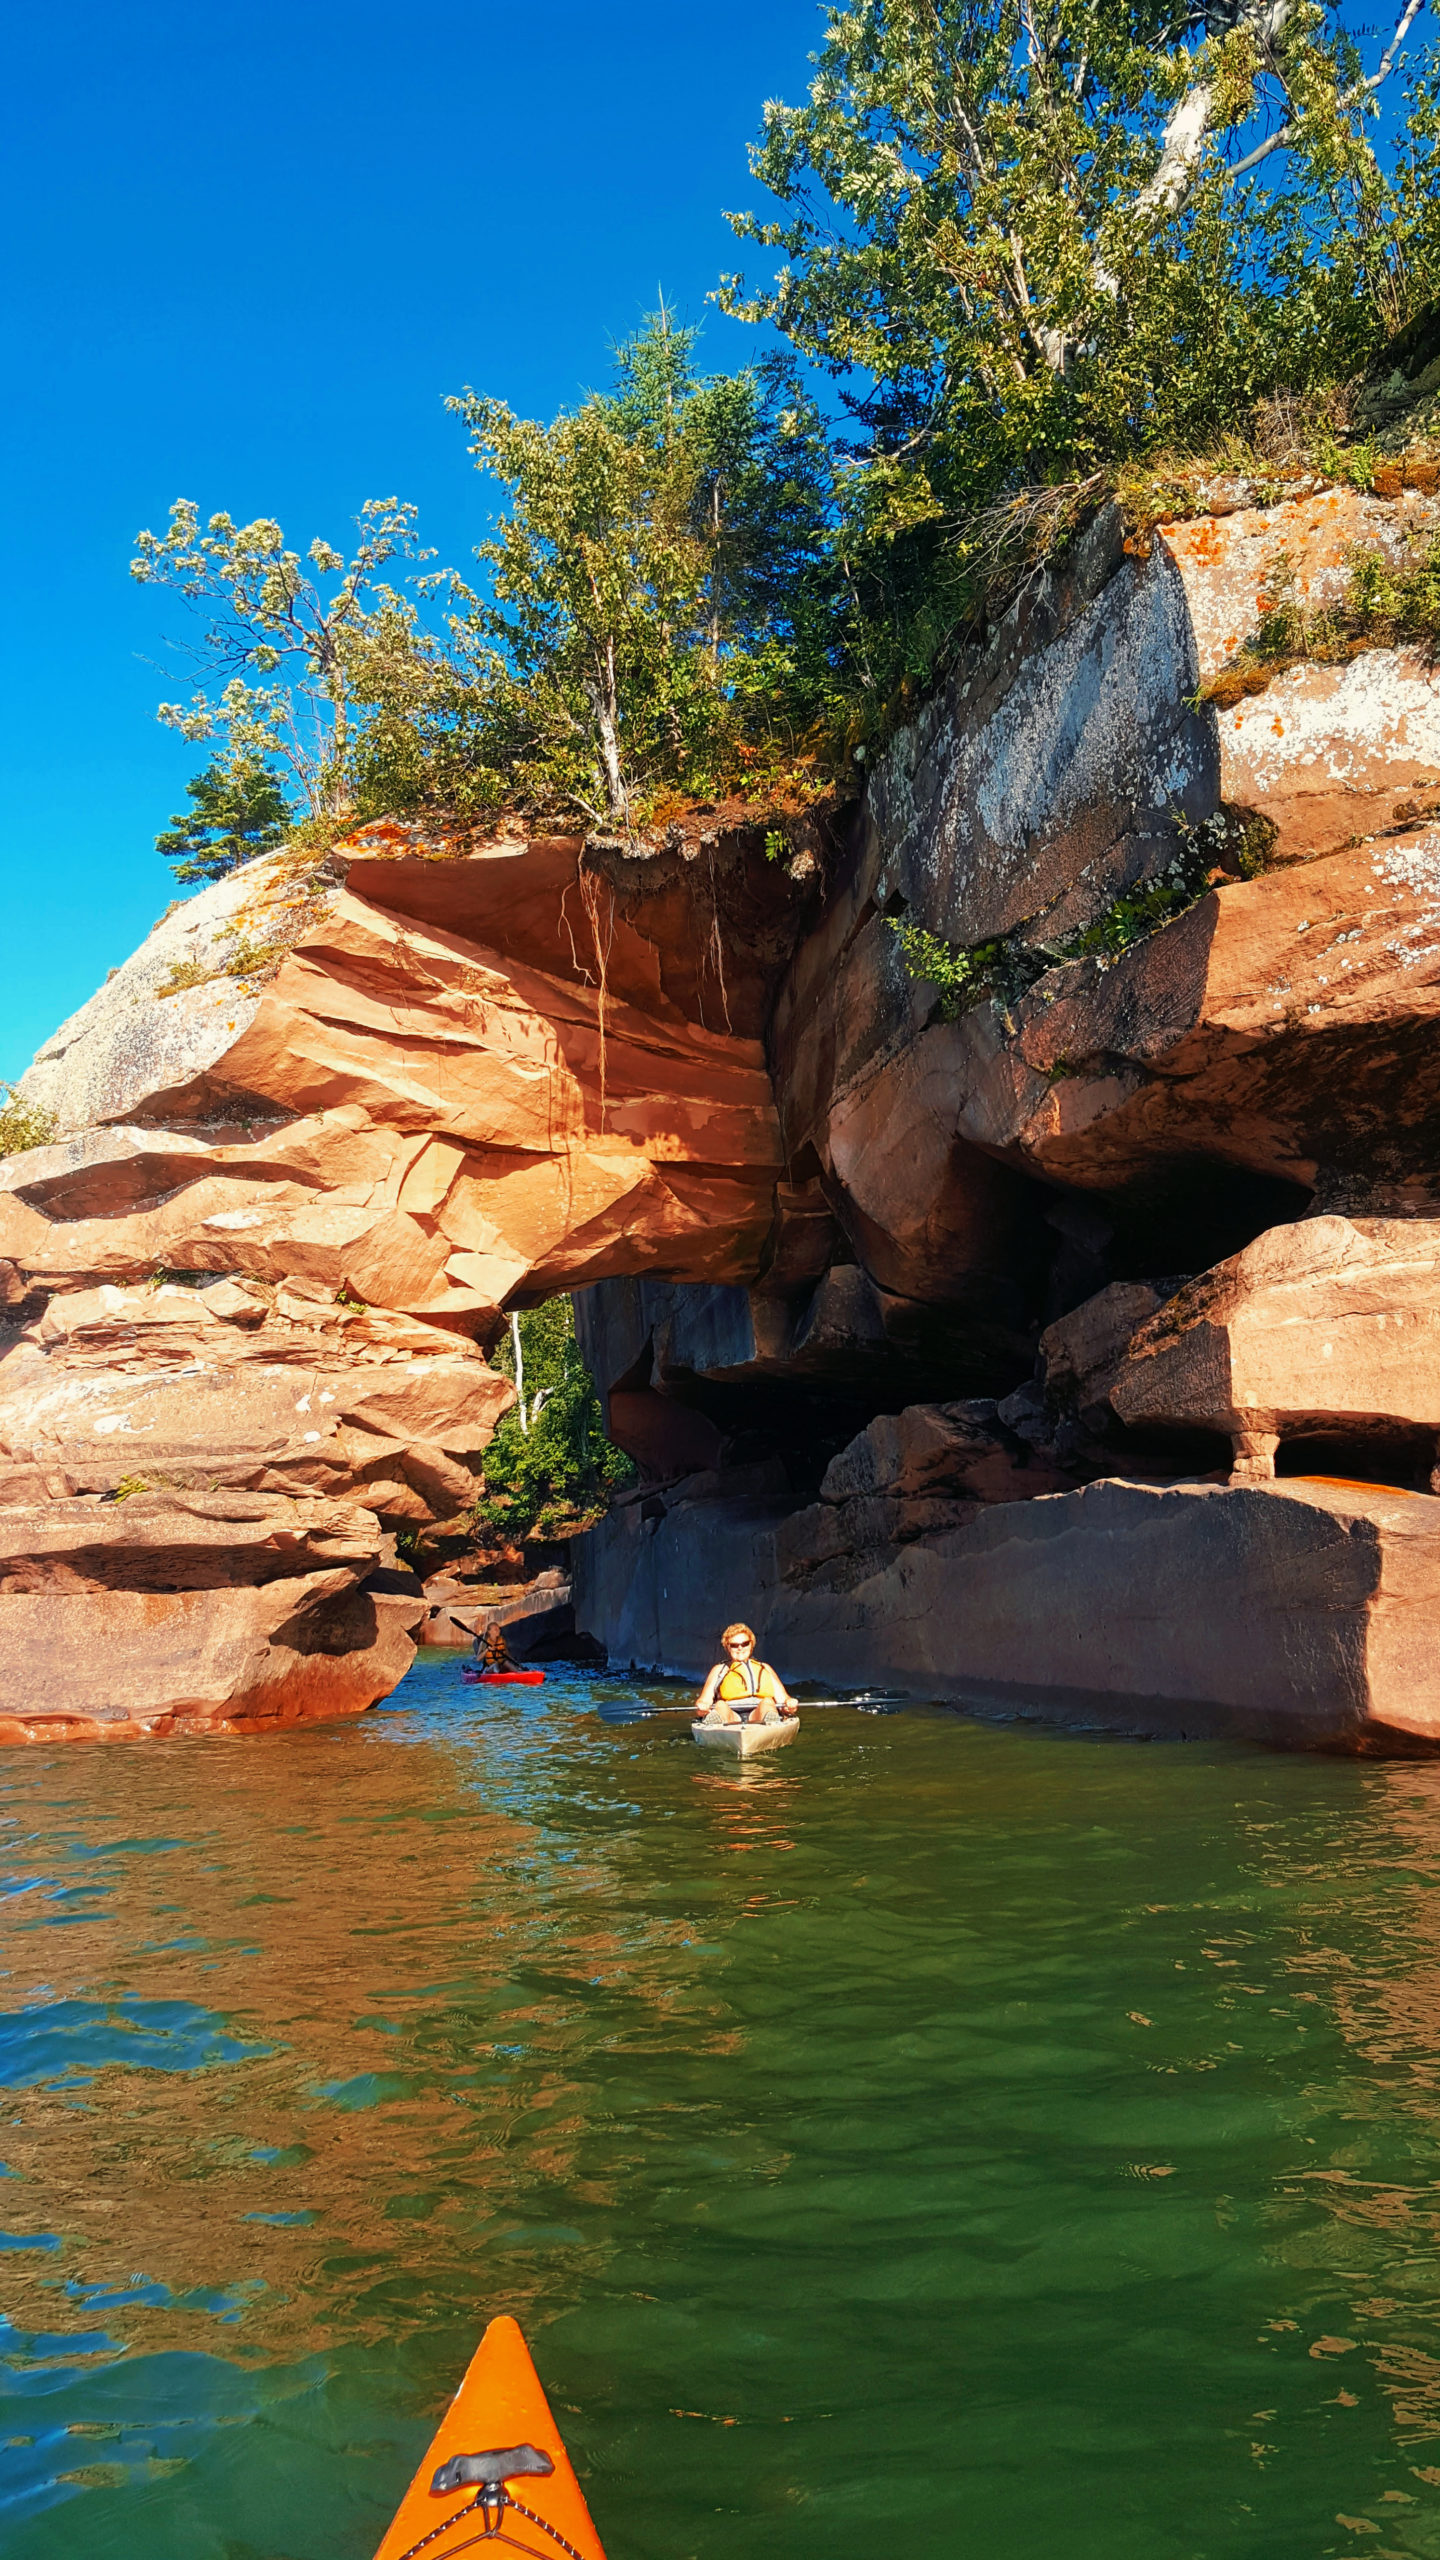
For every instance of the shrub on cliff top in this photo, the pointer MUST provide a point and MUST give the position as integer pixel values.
(237, 811)
(656, 605)
(23, 1124)
(654, 616)
(295, 636)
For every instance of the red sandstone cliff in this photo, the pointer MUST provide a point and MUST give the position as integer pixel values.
(1076, 1153)
(272, 1249)
(265, 1260)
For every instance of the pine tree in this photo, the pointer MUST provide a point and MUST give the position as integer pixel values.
(237, 811)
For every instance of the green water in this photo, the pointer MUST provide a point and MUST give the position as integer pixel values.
(939, 2139)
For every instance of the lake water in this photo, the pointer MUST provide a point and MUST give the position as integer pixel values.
(940, 2139)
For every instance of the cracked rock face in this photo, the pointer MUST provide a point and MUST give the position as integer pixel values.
(434, 1105)
(1207, 1100)
(287, 1210)
(1302, 1614)
(1285, 1024)
(874, 1294)
(244, 1385)
(176, 1613)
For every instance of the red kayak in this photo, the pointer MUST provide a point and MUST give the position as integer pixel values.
(501, 1679)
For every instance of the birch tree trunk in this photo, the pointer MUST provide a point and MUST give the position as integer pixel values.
(519, 1352)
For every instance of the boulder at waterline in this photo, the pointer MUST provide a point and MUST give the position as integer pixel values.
(195, 1613)
(1301, 1614)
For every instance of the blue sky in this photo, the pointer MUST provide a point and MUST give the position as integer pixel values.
(252, 247)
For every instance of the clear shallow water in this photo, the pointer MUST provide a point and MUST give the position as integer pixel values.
(941, 2139)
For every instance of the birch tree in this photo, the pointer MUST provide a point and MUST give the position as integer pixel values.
(549, 1471)
(648, 592)
(1056, 229)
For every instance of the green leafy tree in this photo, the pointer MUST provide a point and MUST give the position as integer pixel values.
(1034, 238)
(994, 204)
(653, 614)
(1030, 241)
(549, 1471)
(654, 608)
(284, 636)
(236, 811)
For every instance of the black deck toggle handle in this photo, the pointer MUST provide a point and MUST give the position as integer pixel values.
(488, 2470)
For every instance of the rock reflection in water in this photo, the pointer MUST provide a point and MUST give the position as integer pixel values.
(1367, 1951)
(950, 2138)
(400, 1939)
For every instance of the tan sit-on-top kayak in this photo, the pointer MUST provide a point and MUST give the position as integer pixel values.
(742, 1741)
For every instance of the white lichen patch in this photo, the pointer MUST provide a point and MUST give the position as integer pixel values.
(1367, 727)
(1411, 865)
(129, 1041)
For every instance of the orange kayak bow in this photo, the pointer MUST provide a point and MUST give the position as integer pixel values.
(497, 2471)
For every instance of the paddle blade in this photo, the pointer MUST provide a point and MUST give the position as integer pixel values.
(500, 2402)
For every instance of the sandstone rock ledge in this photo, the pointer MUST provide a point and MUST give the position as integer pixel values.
(1301, 1614)
(175, 1613)
(1116, 1398)
(292, 1198)
(1050, 1555)
(1072, 1354)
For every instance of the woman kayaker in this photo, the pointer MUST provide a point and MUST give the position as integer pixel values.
(741, 1690)
(491, 1650)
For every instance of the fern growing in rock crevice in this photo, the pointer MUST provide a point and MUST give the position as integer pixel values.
(1233, 845)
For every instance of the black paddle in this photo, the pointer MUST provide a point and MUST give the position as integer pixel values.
(861, 1698)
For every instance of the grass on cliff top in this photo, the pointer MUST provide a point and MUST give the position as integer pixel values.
(1385, 605)
(1290, 443)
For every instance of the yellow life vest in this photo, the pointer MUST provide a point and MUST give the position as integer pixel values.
(748, 1680)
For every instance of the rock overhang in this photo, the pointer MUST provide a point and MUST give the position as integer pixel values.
(473, 1082)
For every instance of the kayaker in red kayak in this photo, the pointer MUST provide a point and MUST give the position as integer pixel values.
(741, 1690)
(491, 1650)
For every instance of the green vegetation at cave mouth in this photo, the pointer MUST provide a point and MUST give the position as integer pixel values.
(550, 1471)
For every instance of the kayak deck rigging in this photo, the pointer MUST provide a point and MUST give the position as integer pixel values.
(492, 2503)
